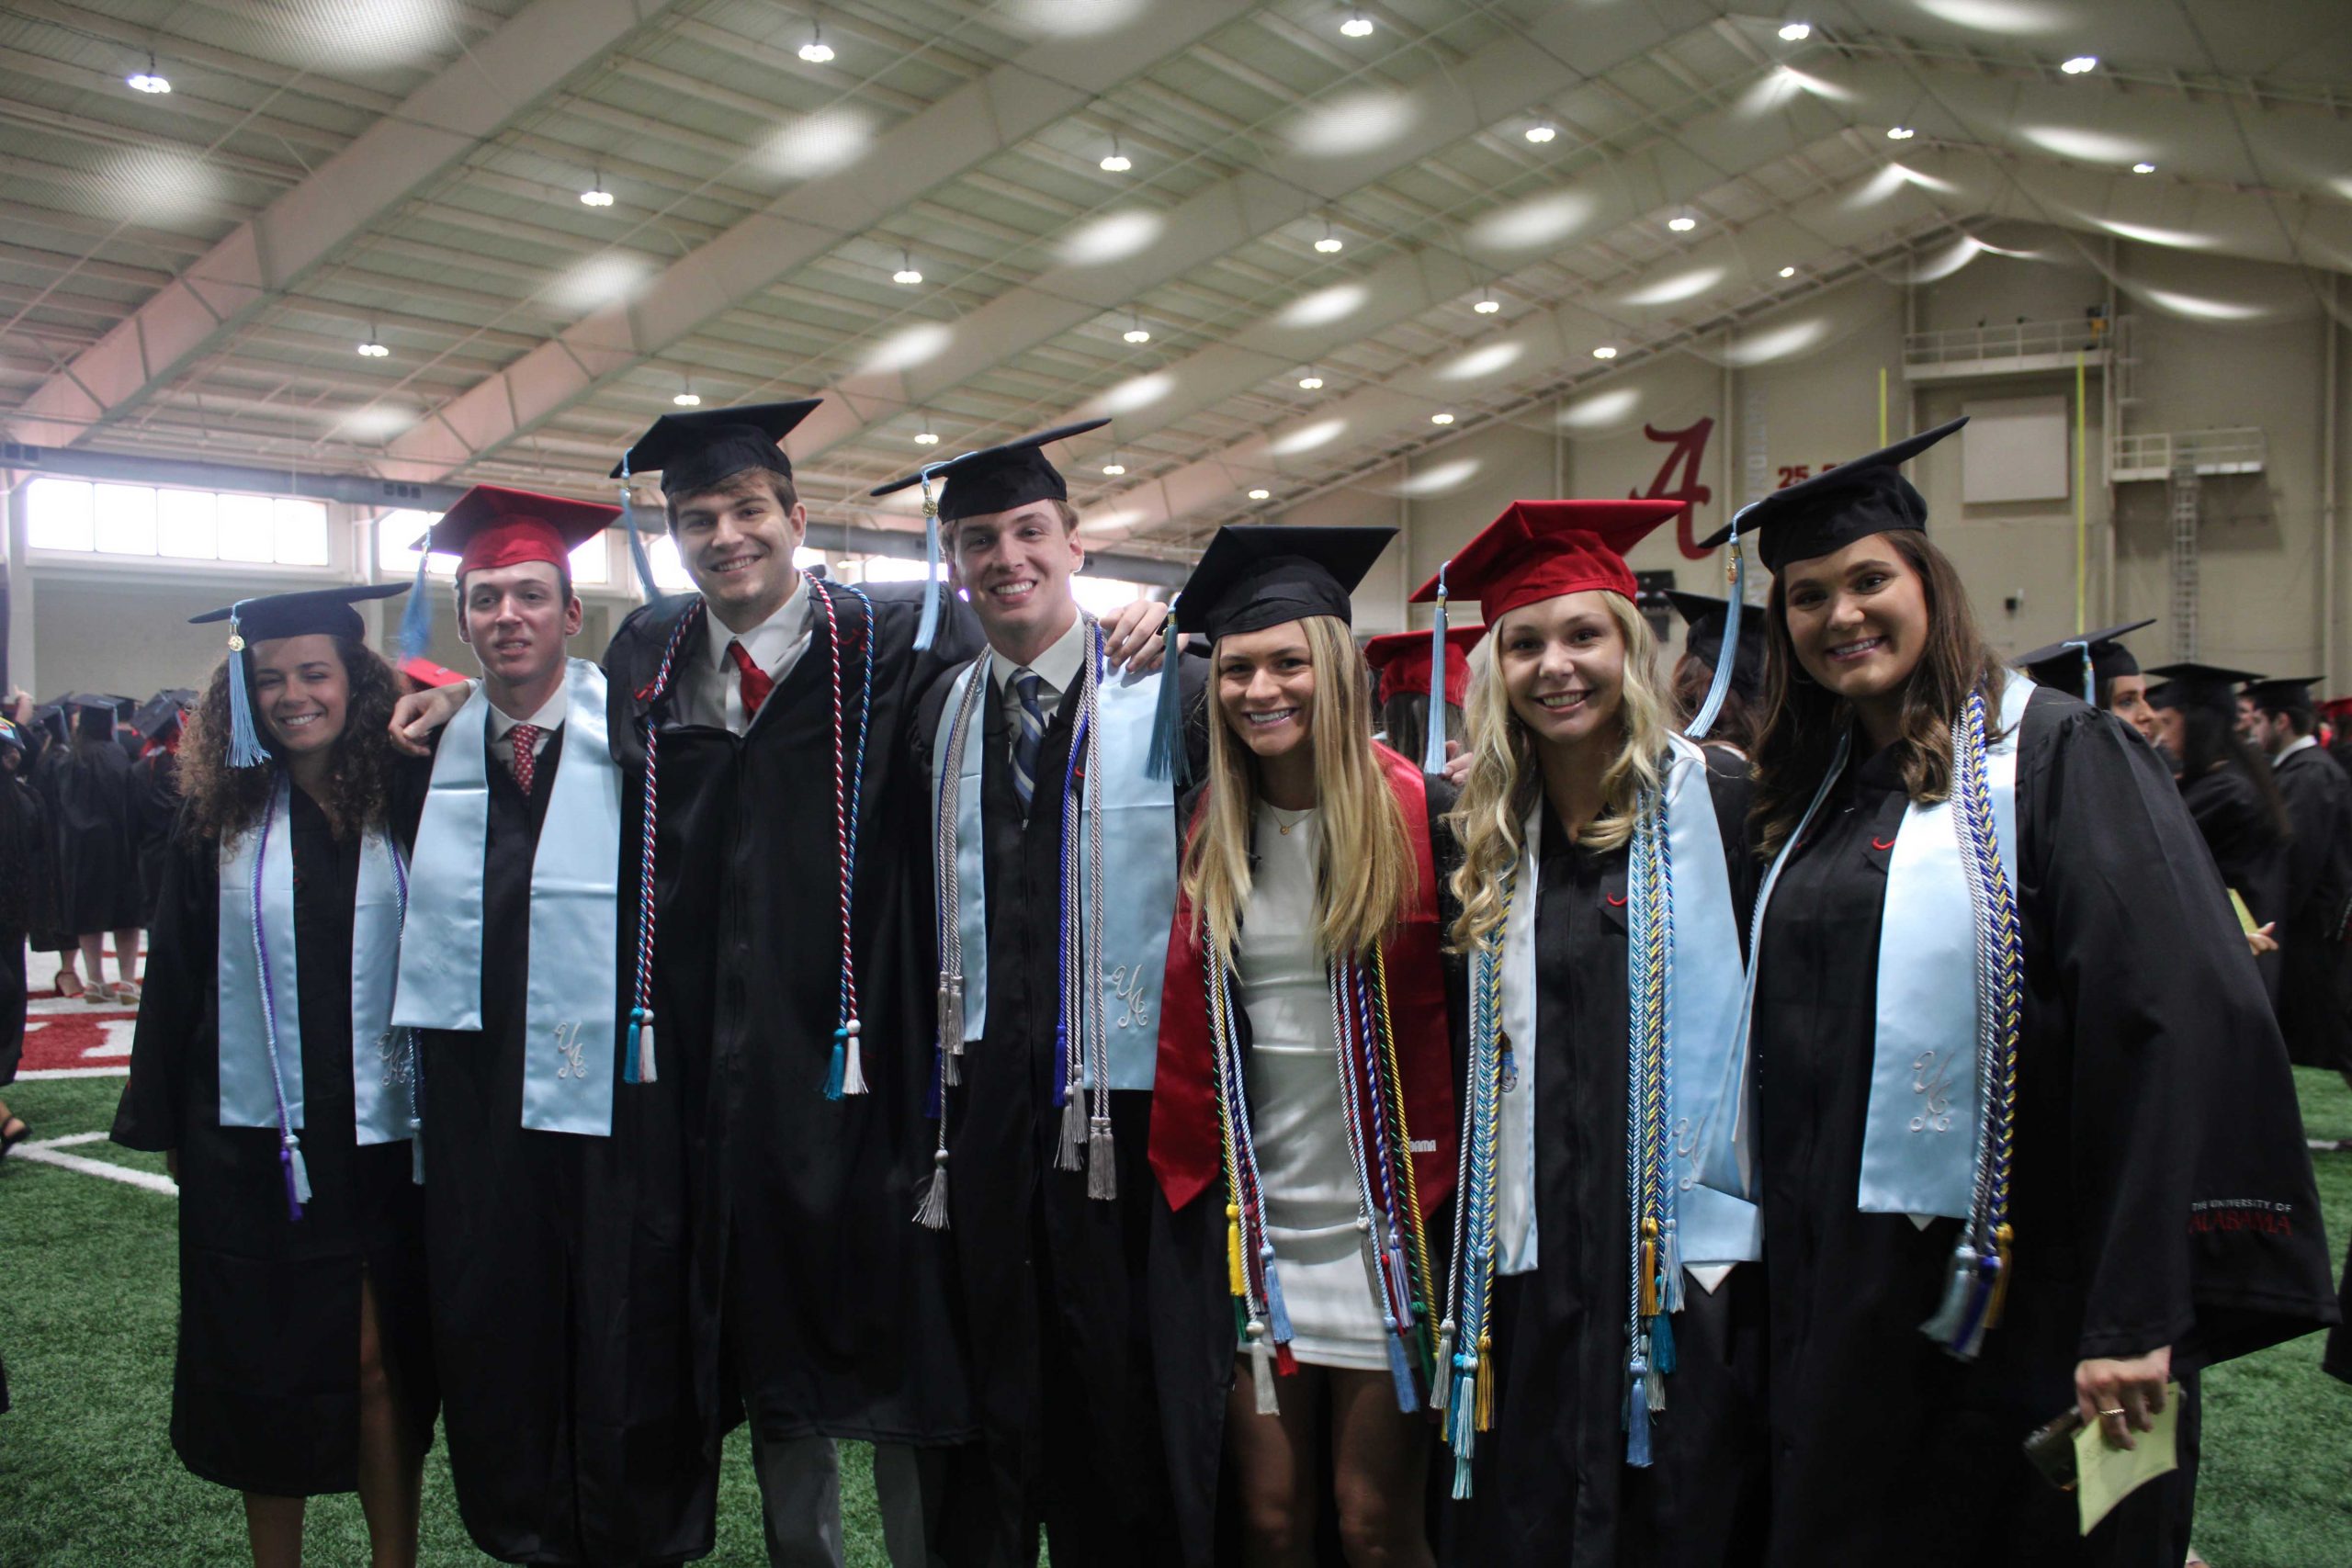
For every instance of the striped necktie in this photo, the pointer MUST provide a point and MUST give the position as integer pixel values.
(1029, 738)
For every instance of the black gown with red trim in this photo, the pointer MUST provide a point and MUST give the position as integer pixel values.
(1192, 1309)
(830, 1310)
(2162, 1194)
(265, 1386)
(1551, 1484)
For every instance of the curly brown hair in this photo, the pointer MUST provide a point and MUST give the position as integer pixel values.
(223, 802)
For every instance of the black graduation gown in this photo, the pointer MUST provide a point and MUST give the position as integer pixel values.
(558, 1266)
(24, 856)
(88, 791)
(1551, 1484)
(2162, 1194)
(265, 1394)
(1056, 1285)
(154, 797)
(2315, 966)
(2252, 855)
(1197, 1339)
(837, 1309)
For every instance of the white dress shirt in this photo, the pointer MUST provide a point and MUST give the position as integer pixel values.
(549, 718)
(714, 691)
(1057, 669)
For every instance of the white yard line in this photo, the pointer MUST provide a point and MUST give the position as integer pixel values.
(121, 1072)
(48, 1152)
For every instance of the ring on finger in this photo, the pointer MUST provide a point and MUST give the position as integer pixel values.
(2112, 1413)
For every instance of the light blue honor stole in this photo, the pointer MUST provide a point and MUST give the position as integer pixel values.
(260, 996)
(1117, 834)
(571, 994)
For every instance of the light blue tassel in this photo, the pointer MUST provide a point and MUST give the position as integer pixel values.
(415, 1152)
(1442, 1375)
(1166, 758)
(930, 627)
(1669, 1269)
(244, 741)
(1638, 1413)
(416, 619)
(1728, 655)
(1433, 749)
(1408, 1398)
(836, 1069)
(1277, 1315)
(628, 1051)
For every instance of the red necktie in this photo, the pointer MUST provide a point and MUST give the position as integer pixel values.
(527, 762)
(756, 684)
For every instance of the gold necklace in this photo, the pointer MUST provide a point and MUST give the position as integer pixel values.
(1282, 827)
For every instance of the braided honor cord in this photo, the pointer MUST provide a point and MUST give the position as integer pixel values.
(931, 1213)
(289, 1147)
(398, 1047)
(1648, 1180)
(1101, 1169)
(636, 1056)
(1464, 1386)
(1981, 1264)
(1265, 1334)
(1416, 1231)
(845, 1069)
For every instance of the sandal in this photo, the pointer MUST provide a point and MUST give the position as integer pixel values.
(58, 984)
(126, 991)
(10, 1140)
(97, 993)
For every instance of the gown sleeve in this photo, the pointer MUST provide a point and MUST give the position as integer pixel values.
(175, 998)
(2195, 1217)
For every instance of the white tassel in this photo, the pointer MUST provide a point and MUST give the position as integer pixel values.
(931, 1213)
(645, 1073)
(1261, 1370)
(301, 1171)
(1101, 1169)
(854, 1073)
(1073, 1133)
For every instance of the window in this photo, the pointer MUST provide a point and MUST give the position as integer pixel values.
(1101, 595)
(397, 532)
(180, 525)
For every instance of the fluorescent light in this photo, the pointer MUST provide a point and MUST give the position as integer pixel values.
(2144, 167)
(1796, 32)
(1114, 470)
(596, 195)
(1138, 334)
(1330, 244)
(1682, 223)
(1604, 351)
(1358, 25)
(1261, 495)
(150, 80)
(371, 349)
(2079, 65)
(906, 273)
(1900, 134)
(1440, 419)
(1310, 383)
(926, 438)
(1117, 164)
(1488, 306)
(1788, 272)
(688, 400)
(1540, 133)
(816, 51)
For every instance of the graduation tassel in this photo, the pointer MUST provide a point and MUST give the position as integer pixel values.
(931, 1213)
(1441, 1379)
(1661, 1353)
(1277, 1311)
(1400, 1370)
(1669, 1270)
(952, 1069)
(854, 1063)
(950, 1024)
(1237, 1284)
(416, 618)
(1167, 758)
(929, 628)
(1649, 1269)
(1066, 1157)
(637, 1056)
(1970, 1339)
(1486, 1407)
(1637, 1412)
(1261, 1370)
(2002, 1237)
(837, 1066)
(415, 1152)
(1728, 655)
(1101, 1169)
(244, 741)
(1944, 1327)
(1462, 1438)
(298, 1175)
(1433, 749)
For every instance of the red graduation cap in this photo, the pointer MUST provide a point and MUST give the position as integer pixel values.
(1402, 661)
(1540, 550)
(492, 525)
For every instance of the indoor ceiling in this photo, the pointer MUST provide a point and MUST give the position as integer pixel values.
(193, 273)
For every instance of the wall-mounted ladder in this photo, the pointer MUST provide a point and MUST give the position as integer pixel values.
(2183, 485)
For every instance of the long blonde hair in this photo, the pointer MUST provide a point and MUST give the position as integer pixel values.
(1364, 874)
(1489, 816)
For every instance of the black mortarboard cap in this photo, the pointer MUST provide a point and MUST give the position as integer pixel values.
(695, 451)
(1704, 618)
(95, 713)
(310, 613)
(2284, 693)
(1836, 507)
(1258, 575)
(2061, 663)
(2197, 685)
(997, 478)
(159, 712)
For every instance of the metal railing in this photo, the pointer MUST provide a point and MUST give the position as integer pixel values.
(2015, 340)
(2238, 449)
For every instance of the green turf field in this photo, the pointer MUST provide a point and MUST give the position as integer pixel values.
(87, 1476)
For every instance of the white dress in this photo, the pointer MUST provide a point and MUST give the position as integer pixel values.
(1298, 1110)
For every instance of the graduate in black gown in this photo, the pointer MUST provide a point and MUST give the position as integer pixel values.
(304, 1365)
(2232, 795)
(1583, 820)
(23, 859)
(1704, 620)
(556, 1204)
(86, 784)
(1307, 1009)
(2315, 963)
(1940, 1290)
(1056, 1278)
(155, 793)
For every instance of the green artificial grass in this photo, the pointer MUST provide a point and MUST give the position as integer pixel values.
(87, 1306)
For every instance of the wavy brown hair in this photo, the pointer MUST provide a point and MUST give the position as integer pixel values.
(223, 802)
(1803, 720)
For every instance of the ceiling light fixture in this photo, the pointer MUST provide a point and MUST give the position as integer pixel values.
(2080, 65)
(2144, 167)
(687, 397)
(816, 51)
(1136, 331)
(596, 195)
(1117, 162)
(1788, 272)
(371, 348)
(1900, 134)
(1682, 223)
(1440, 419)
(906, 273)
(1541, 132)
(1330, 244)
(1604, 351)
(925, 437)
(1310, 382)
(1261, 495)
(150, 80)
(1358, 25)
(1487, 304)
(1114, 470)
(1796, 32)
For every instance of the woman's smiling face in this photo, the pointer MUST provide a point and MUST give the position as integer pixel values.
(1856, 618)
(1265, 688)
(1562, 663)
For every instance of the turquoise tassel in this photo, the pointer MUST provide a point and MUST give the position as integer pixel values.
(1433, 749)
(244, 741)
(839, 1064)
(628, 1051)
(416, 619)
(1661, 1345)
(636, 551)
(930, 627)
(1952, 1314)
(1277, 1315)
(1166, 758)
(1638, 1413)
(1728, 655)
(1407, 1397)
